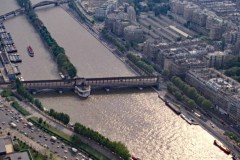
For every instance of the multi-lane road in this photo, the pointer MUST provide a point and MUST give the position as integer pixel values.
(38, 139)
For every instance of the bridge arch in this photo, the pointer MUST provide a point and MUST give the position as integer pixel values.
(45, 3)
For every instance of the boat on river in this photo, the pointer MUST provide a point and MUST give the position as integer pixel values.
(186, 119)
(174, 108)
(222, 147)
(61, 75)
(30, 51)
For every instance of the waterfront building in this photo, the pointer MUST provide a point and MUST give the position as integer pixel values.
(209, 17)
(178, 60)
(231, 37)
(133, 33)
(177, 6)
(150, 46)
(223, 91)
(106, 8)
(215, 25)
(199, 17)
(118, 27)
(217, 58)
(188, 11)
(96, 3)
(116, 22)
(131, 14)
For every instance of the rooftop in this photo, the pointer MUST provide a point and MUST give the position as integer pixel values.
(217, 81)
(2, 146)
(185, 52)
(17, 156)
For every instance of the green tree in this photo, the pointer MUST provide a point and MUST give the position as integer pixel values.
(200, 99)
(38, 104)
(206, 104)
(191, 103)
(40, 120)
(6, 93)
(16, 147)
(165, 73)
(178, 95)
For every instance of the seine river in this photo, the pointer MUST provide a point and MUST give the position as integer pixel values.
(141, 120)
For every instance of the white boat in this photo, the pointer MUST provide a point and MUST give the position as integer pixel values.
(61, 75)
(186, 119)
(21, 79)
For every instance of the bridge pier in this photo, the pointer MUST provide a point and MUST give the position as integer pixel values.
(83, 90)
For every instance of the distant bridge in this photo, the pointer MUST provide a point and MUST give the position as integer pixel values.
(47, 3)
(40, 4)
(62, 85)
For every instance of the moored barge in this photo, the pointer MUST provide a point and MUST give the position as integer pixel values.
(222, 147)
(174, 108)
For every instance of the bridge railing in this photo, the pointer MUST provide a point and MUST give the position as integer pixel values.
(109, 81)
(51, 84)
(122, 81)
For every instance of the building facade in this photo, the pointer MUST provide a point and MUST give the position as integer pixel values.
(223, 91)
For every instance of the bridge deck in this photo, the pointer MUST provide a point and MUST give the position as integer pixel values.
(40, 4)
(93, 82)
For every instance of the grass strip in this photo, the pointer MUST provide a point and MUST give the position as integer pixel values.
(19, 108)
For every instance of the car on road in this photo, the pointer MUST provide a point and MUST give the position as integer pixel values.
(212, 125)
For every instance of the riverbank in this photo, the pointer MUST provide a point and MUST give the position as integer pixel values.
(97, 37)
(205, 122)
(95, 34)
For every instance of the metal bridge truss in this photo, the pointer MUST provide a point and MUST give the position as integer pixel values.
(40, 4)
